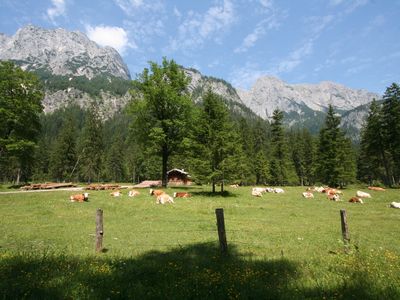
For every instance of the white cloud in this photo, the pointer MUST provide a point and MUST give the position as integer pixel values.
(196, 28)
(132, 7)
(245, 77)
(177, 13)
(58, 9)
(335, 2)
(115, 37)
(266, 3)
(260, 29)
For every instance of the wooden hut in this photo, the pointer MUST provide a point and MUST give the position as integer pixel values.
(178, 177)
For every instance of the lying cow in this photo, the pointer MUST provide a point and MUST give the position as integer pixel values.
(361, 194)
(333, 197)
(395, 205)
(235, 186)
(182, 195)
(156, 192)
(259, 189)
(278, 190)
(256, 193)
(133, 193)
(79, 197)
(376, 188)
(308, 195)
(164, 198)
(116, 194)
(356, 200)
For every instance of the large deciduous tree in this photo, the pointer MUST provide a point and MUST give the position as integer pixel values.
(20, 106)
(161, 110)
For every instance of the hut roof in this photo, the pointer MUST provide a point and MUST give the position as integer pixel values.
(182, 171)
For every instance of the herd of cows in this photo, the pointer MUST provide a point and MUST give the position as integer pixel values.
(162, 197)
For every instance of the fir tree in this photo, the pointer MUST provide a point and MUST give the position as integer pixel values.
(334, 153)
(281, 169)
(91, 146)
(63, 155)
(391, 127)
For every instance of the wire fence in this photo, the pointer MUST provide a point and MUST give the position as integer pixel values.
(211, 233)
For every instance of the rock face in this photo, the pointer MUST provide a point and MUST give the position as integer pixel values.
(270, 93)
(61, 52)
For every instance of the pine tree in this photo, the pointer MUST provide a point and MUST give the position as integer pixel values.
(91, 146)
(334, 153)
(115, 169)
(373, 160)
(215, 143)
(281, 169)
(63, 156)
(391, 127)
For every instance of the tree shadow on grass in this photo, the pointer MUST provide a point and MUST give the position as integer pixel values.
(193, 272)
(224, 194)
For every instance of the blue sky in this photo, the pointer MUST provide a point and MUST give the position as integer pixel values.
(352, 42)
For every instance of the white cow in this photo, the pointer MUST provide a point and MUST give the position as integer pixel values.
(259, 189)
(116, 194)
(256, 193)
(133, 193)
(164, 198)
(361, 194)
(395, 205)
(278, 190)
(308, 195)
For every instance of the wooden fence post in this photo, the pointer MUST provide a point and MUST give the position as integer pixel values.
(221, 230)
(99, 230)
(345, 228)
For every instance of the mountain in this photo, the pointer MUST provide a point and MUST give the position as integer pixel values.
(303, 103)
(61, 52)
(75, 70)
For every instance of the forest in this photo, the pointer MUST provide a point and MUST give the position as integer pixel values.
(162, 128)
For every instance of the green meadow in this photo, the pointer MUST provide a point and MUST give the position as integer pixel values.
(281, 246)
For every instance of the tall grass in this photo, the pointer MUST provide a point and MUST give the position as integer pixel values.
(280, 246)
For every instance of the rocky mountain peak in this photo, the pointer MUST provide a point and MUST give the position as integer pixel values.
(61, 52)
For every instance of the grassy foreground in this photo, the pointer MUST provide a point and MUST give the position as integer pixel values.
(281, 246)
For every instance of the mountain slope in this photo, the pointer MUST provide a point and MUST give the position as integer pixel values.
(61, 52)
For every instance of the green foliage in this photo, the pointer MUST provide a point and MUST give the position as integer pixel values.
(20, 106)
(93, 87)
(91, 146)
(281, 167)
(64, 153)
(161, 110)
(336, 162)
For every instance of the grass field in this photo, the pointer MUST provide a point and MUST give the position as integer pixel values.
(281, 246)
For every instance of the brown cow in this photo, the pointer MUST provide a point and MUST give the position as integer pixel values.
(376, 188)
(156, 192)
(133, 193)
(356, 200)
(79, 197)
(182, 195)
(116, 194)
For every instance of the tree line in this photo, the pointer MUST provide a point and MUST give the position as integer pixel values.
(162, 128)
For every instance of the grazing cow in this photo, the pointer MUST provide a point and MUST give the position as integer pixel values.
(133, 193)
(395, 205)
(235, 186)
(278, 190)
(256, 193)
(116, 194)
(156, 192)
(164, 198)
(308, 195)
(361, 194)
(182, 195)
(79, 197)
(376, 188)
(333, 197)
(356, 200)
